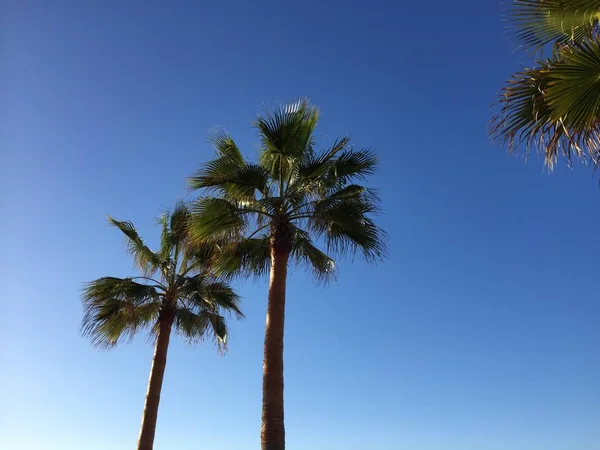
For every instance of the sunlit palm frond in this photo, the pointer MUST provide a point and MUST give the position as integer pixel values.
(225, 146)
(539, 22)
(145, 259)
(287, 137)
(555, 106)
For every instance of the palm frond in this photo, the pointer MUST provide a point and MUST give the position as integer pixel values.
(196, 326)
(215, 296)
(217, 218)
(304, 252)
(225, 146)
(179, 223)
(287, 137)
(539, 22)
(555, 106)
(317, 166)
(232, 178)
(347, 227)
(116, 308)
(244, 257)
(353, 164)
(146, 260)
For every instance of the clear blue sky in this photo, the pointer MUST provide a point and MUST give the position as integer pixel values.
(481, 330)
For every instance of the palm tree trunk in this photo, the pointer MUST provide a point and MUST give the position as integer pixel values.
(157, 372)
(273, 430)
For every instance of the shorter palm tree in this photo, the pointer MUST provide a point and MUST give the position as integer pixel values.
(178, 288)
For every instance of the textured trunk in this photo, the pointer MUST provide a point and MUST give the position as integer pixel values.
(273, 430)
(157, 372)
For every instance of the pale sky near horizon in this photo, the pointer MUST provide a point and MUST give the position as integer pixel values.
(479, 332)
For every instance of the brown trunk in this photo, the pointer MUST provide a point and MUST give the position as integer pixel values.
(273, 430)
(157, 372)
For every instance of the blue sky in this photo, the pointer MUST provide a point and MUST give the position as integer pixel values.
(481, 330)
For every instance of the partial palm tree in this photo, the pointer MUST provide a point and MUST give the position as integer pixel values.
(178, 289)
(555, 104)
(282, 206)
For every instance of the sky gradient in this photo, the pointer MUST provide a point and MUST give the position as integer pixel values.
(479, 332)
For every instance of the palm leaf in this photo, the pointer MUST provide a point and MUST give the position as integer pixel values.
(539, 22)
(286, 136)
(116, 308)
(304, 252)
(244, 257)
(555, 106)
(217, 218)
(146, 260)
(195, 326)
(347, 227)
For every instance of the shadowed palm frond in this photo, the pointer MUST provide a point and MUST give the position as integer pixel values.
(196, 325)
(116, 308)
(347, 227)
(304, 252)
(146, 260)
(218, 218)
(244, 257)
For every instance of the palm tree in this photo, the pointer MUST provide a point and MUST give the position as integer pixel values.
(293, 196)
(178, 288)
(555, 105)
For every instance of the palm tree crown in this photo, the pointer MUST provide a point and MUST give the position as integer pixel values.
(295, 194)
(555, 105)
(177, 281)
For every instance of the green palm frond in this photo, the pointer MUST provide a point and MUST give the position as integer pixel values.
(539, 22)
(216, 296)
(356, 164)
(245, 257)
(195, 326)
(232, 179)
(554, 106)
(225, 146)
(287, 137)
(146, 260)
(347, 227)
(179, 223)
(116, 308)
(304, 252)
(313, 167)
(217, 218)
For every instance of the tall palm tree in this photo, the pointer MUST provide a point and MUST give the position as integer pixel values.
(178, 289)
(294, 196)
(555, 105)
